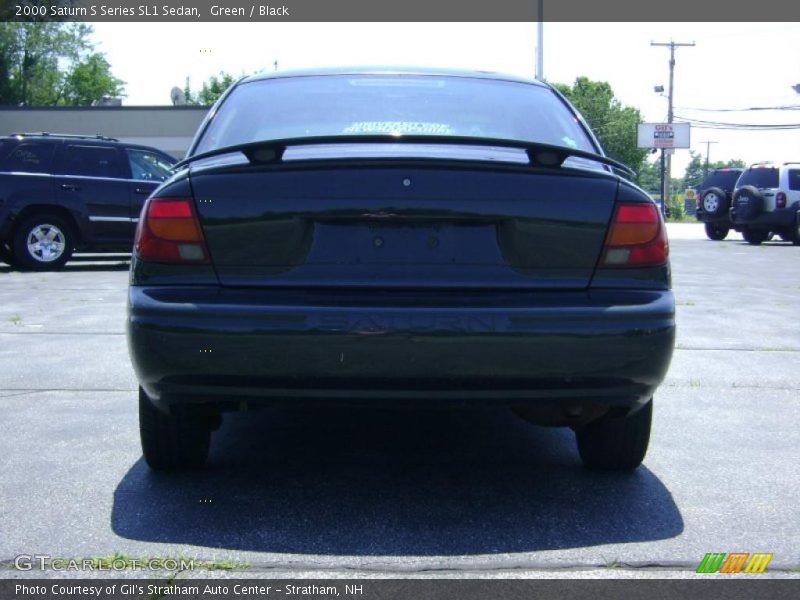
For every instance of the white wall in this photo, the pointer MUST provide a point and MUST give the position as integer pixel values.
(168, 128)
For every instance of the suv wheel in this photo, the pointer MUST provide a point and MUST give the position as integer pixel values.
(173, 442)
(715, 202)
(716, 232)
(617, 444)
(42, 243)
(755, 237)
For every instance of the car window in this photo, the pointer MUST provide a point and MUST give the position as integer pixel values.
(385, 104)
(149, 166)
(760, 177)
(794, 180)
(722, 179)
(89, 161)
(30, 157)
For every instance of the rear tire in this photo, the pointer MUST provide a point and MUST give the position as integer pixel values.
(616, 444)
(755, 237)
(716, 232)
(794, 231)
(748, 203)
(6, 256)
(42, 242)
(172, 442)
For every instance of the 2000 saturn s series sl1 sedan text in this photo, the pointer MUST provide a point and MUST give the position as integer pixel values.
(406, 238)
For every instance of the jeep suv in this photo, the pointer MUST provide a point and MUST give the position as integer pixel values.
(59, 193)
(714, 197)
(767, 198)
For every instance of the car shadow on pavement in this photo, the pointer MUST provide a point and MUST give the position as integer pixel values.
(392, 482)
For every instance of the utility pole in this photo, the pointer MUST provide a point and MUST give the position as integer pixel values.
(667, 183)
(708, 149)
(540, 43)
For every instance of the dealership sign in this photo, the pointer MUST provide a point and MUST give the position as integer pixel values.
(663, 135)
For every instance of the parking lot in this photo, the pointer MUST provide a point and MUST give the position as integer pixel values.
(344, 493)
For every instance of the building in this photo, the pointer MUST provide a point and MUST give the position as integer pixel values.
(168, 128)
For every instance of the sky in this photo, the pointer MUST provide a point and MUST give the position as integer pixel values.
(732, 65)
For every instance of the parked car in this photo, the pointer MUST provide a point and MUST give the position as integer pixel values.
(378, 237)
(767, 199)
(62, 192)
(714, 197)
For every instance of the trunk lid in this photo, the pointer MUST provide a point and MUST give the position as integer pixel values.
(412, 224)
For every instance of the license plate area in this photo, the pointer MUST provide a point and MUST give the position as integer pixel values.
(405, 243)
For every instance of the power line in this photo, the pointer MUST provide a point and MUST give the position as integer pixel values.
(723, 128)
(701, 124)
(751, 108)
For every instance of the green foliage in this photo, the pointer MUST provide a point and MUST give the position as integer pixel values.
(649, 177)
(696, 169)
(613, 123)
(90, 80)
(52, 64)
(210, 90)
(677, 211)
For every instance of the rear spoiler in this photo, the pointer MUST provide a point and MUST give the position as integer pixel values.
(540, 155)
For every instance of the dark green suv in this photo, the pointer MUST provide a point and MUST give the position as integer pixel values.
(714, 199)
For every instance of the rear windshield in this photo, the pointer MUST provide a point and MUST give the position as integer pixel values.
(392, 104)
(721, 179)
(760, 177)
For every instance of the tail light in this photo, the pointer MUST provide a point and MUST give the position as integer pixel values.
(169, 232)
(637, 237)
(780, 200)
(698, 201)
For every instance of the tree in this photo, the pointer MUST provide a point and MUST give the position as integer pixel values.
(696, 169)
(649, 177)
(52, 64)
(613, 123)
(211, 89)
(90, 80)
(694, 174)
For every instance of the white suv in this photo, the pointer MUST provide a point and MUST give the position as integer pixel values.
(767, 198)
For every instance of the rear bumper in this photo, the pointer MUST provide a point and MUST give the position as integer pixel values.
(211, 344)
(780, 218)
(704, 217)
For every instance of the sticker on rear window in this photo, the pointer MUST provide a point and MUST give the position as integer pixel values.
(569, 142)
(408, 127)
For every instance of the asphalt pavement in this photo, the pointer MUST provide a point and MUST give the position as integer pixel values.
(339, 493)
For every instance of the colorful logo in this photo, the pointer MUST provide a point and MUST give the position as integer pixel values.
(736, 562)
